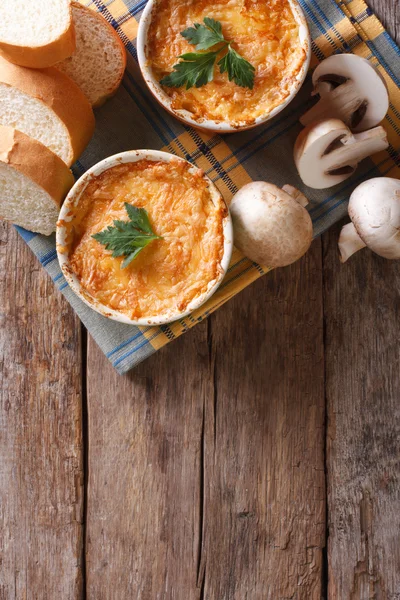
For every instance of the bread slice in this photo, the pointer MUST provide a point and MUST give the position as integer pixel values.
(99, 60)
(33, 182)
(36, 33)
(48, 106)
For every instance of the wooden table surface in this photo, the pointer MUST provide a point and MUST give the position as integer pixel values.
(256, 458)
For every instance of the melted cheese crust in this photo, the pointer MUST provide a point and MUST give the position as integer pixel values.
(169, 273)
(265, 32)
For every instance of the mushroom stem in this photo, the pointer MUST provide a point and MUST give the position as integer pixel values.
(327, 152)
(349, 242)
(340, 103)
(350, 89)
(355, 148)
(295, 194)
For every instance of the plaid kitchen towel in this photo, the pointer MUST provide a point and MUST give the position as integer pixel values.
(132, 119)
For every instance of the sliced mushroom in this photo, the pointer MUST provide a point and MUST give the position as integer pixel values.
(350, 89)
(374, 209)
(270, 225)
(327, 153)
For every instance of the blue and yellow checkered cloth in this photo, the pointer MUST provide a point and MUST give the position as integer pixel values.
(132, 119)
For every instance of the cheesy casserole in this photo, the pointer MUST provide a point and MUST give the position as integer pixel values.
(170, 272)
(265, 32)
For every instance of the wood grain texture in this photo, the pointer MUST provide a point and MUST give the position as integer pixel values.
(41, 479)
(264, 511)
(144, 498)
(388, 12)
(362, 310)
(206, 475)
(362, 316)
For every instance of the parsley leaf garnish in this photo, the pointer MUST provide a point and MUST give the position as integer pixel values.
(128, 238)
(197, 68)
(204, 36)
(239, 70)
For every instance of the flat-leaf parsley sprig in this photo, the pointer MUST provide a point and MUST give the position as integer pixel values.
(197, 68)
(128, 238)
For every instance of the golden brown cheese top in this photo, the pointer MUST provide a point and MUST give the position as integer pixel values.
(169, 273)
(265, 32)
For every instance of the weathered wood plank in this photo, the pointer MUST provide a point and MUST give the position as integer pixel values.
(264, 514)
(206, 463)
(362, 309)
(362, 316)
(41, 479)
(145, 471)
(388, 11)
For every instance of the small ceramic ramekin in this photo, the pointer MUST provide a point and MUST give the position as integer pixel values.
(207, 124)
(64, 241)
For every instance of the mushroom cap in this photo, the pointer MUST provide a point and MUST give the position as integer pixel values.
(270, 227)
(374, 208)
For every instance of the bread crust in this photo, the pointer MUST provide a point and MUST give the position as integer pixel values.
(35, 161)
(61, 94)
(40, 57)
(111, 31)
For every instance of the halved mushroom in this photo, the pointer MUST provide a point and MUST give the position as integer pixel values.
(270, 224)
(350, 89)
(327, 153)
(374, 209)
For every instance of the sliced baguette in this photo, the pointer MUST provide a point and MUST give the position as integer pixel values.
(33, 182)
(36, 33)
(99, 61)
(48, 106)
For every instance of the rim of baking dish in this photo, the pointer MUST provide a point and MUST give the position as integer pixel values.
(208, 124)
(67, 213)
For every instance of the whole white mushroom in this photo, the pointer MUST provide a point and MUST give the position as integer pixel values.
(374, 209)
(271, 225)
